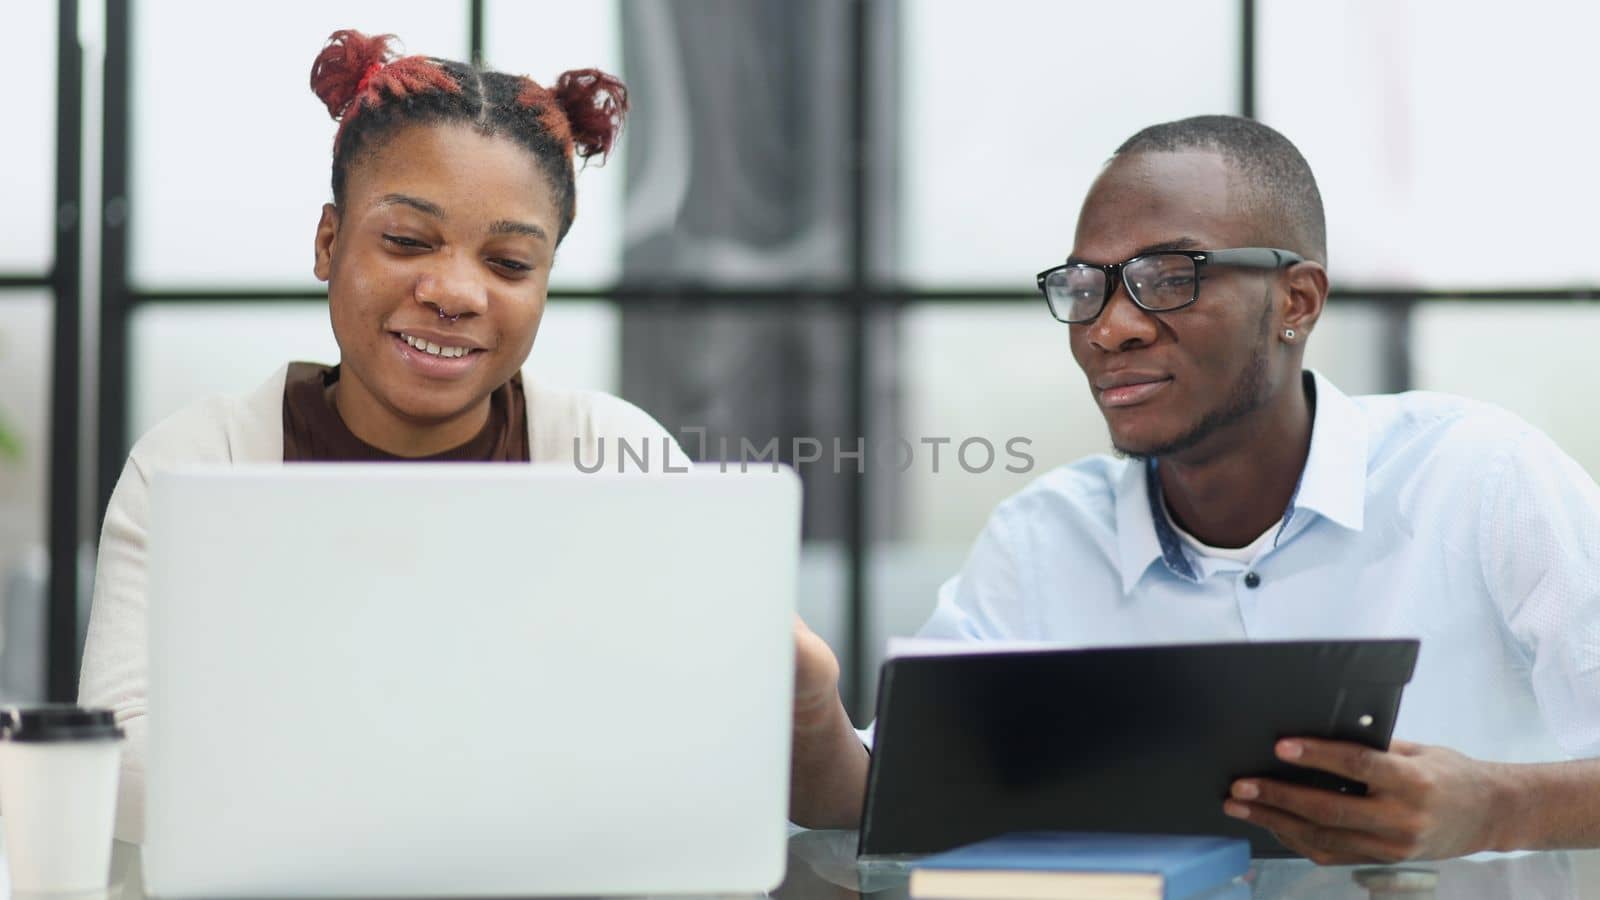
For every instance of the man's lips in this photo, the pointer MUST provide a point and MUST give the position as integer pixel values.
(1129, 388)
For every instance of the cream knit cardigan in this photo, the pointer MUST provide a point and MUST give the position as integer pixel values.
(249, 429)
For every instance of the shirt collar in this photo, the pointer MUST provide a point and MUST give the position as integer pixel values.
(1332, 484)
(1143, 532)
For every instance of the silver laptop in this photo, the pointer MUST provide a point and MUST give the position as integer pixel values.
(469, 680)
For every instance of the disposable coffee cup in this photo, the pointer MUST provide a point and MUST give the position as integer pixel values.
(58, 796)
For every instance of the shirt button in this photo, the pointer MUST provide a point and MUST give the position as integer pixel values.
(1252, 580)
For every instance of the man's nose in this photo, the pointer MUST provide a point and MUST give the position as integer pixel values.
(1122, 324)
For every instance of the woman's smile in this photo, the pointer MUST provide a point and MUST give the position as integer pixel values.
(437, 360)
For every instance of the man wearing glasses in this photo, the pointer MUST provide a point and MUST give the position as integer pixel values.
(1253, 500)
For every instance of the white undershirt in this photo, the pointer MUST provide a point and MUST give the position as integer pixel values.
(1242, 555)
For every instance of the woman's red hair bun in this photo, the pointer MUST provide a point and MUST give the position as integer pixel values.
(346, 64)
(594, 103)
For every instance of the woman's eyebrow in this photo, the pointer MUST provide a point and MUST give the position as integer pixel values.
(416, 203)
(503, 226)
(506, 226)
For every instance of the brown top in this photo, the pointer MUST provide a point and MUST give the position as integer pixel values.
(314, 432)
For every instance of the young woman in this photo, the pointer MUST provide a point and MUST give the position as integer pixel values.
(452, 188)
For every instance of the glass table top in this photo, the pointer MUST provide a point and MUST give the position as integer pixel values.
(822, 865)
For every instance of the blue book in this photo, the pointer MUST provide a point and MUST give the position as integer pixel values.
(1036, 865)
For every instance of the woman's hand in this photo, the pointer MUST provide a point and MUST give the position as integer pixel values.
(828, 774)
(816, 677)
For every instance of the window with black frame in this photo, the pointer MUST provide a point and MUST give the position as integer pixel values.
(39, 349)
(831, 240)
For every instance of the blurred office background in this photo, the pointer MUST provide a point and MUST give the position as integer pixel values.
(823, 221)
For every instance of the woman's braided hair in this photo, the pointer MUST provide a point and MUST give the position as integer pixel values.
(372, 94)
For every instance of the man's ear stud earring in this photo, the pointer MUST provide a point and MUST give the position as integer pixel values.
(1288, 334)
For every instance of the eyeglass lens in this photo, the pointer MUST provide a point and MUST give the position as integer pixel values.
(1158, 281)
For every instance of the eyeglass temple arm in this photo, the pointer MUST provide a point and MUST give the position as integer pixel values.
(1255, 257)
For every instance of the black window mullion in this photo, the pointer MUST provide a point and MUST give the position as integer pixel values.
(861, 300)
(115, 299)
(475, 31)
(1247, 58)
(61, 652)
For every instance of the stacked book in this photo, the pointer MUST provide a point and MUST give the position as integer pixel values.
(1040, 865)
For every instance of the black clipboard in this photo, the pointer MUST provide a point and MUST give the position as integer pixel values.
(1128, 739)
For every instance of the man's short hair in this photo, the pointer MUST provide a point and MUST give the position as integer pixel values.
(1280, 190)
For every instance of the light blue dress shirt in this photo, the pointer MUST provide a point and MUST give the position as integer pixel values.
(1417, 515)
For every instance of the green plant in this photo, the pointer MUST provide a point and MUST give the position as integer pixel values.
(10, 444)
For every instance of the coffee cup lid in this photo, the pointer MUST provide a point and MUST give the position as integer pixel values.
(57, 722)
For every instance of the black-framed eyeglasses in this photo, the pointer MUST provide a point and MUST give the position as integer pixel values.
(1158, 282)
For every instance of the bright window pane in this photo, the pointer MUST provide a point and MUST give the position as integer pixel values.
(1011, 106)
(28, 156)
(1454, 145)
(179, 353)
(26, 323)
(231, 151)
(542, 39)
(1503, 353)
(1348, 345)
(1016, 379)
(579, 346)
(184, 352)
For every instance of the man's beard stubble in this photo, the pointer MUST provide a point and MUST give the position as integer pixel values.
(1249, 394)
